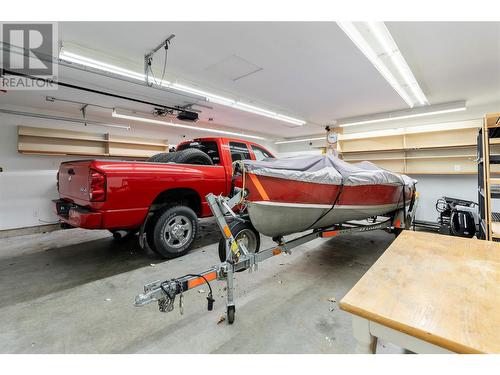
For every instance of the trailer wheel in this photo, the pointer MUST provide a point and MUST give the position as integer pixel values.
(231, 312)
(172, 231)
(241, 232)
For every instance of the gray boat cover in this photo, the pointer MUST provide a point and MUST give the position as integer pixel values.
(326, 169)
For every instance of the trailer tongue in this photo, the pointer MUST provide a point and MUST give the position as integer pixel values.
(243, 254)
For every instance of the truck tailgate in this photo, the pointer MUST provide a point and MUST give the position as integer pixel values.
(73, 180)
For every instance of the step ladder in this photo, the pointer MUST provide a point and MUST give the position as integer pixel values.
(488, 186)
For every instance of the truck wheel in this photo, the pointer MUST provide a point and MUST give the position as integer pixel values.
(163, 157)
(193, 156)
(173, 231)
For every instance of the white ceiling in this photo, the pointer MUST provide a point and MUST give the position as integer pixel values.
(452, 60)
(309, 70)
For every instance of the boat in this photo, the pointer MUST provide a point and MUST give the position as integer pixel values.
(295, 194)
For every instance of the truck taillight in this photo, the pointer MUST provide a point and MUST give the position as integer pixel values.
(97, 186)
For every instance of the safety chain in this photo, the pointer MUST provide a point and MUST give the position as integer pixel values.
(166, 304)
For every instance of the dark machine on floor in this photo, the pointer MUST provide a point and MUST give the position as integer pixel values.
(457, 217)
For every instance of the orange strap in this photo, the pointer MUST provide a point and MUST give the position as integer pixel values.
(259, 186)
(331, 233)
(199, 280)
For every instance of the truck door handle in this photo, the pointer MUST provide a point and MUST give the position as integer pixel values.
(71, 171)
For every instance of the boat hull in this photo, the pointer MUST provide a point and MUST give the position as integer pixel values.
(280, 219)
(279, 207)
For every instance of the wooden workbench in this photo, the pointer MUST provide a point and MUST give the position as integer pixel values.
(430, 293)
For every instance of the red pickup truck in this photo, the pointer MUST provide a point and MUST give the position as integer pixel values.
(162, 197)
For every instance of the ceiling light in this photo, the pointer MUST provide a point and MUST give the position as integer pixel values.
(400, 115)
(377, 44)
(237, 105)
(71, 57)
(74, 58)
(267, 113)
(209, 96)
(91, 63)
(166, 123)
(299, 140)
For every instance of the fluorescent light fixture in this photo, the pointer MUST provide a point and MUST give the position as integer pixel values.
(75, 58)
(126, 127)
(99, 65)
(209, 96)
(166, 123)
(237, 104)
(377, 44)
(267, 113)
(300, 140)
(405, 114)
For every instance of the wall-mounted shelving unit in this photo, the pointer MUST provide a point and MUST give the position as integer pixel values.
(44, 141)
(449, 151)
(487, 159)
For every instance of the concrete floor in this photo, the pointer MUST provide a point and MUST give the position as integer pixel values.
(72, 291)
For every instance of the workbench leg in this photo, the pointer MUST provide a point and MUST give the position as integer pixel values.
(366, 343)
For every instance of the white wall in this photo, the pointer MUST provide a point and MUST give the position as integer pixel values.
(28, 182)
(433, 187)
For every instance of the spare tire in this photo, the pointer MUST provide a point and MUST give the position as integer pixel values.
(164, 157)
(193, 156)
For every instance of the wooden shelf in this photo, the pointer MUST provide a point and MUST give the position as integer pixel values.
(60, 134)
(43, 141)
(373, 159)
(495, 229)
(495, 181)
(447, 151)
(492, 120)
(465, 145)
(440, 173)
(135, 141)
(440, 157)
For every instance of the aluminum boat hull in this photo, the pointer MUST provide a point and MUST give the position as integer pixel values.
(279, 207)
(280, 219)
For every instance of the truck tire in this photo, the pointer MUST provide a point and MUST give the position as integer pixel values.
(193, 156)
(163, 157)
(172, 231)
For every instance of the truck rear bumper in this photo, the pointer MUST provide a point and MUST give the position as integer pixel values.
(77, 216)
(82, 217)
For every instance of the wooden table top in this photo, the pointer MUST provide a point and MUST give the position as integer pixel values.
(441, 289)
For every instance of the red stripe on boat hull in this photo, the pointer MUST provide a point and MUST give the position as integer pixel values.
(292, 191)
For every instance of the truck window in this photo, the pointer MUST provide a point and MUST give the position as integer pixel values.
(208, 147)
(260, 153)
(239, 151)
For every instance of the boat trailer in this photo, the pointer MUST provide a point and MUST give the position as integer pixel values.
(239, 258)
